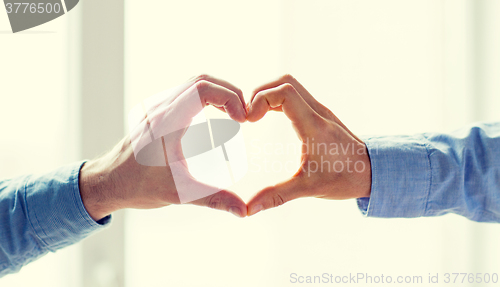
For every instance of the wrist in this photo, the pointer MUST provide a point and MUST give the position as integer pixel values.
(97, 190)
(365, 176)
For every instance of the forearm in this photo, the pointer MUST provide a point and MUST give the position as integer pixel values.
(41, 214)
(435, 174)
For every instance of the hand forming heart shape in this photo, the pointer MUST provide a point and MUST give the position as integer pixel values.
(149, 169)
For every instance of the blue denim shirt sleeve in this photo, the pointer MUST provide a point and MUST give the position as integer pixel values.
(433, 174)
(41, 214)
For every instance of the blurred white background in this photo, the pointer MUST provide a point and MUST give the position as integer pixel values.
(383, 67)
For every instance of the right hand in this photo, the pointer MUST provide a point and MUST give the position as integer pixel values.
(116, 180)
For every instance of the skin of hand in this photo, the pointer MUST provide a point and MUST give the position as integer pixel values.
(116, 181)
(334, 162)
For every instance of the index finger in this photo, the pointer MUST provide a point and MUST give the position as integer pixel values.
(222, 83)
(293, 105)
(311, 101)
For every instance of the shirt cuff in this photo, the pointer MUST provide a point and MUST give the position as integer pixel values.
(401, 177)
(55, 209)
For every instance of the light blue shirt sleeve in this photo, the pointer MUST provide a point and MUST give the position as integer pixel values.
(40, 214)
(433, 174)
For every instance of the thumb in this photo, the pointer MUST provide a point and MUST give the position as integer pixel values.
(224, 200)
(274, 196)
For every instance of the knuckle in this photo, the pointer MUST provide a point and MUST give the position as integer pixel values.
(239, 91)
(215, 201)
(202, 77)
(277, 200)
(202, 85)
(287, 78)
(287, 88)
(256, 93)
(259, 94)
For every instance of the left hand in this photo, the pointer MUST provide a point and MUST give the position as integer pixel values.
(334, 162)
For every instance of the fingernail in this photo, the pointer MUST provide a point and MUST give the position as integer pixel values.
(256, 209)
(235, 210)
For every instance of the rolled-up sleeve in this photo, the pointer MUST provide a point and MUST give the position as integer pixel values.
(434, 174)
(42, 214)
